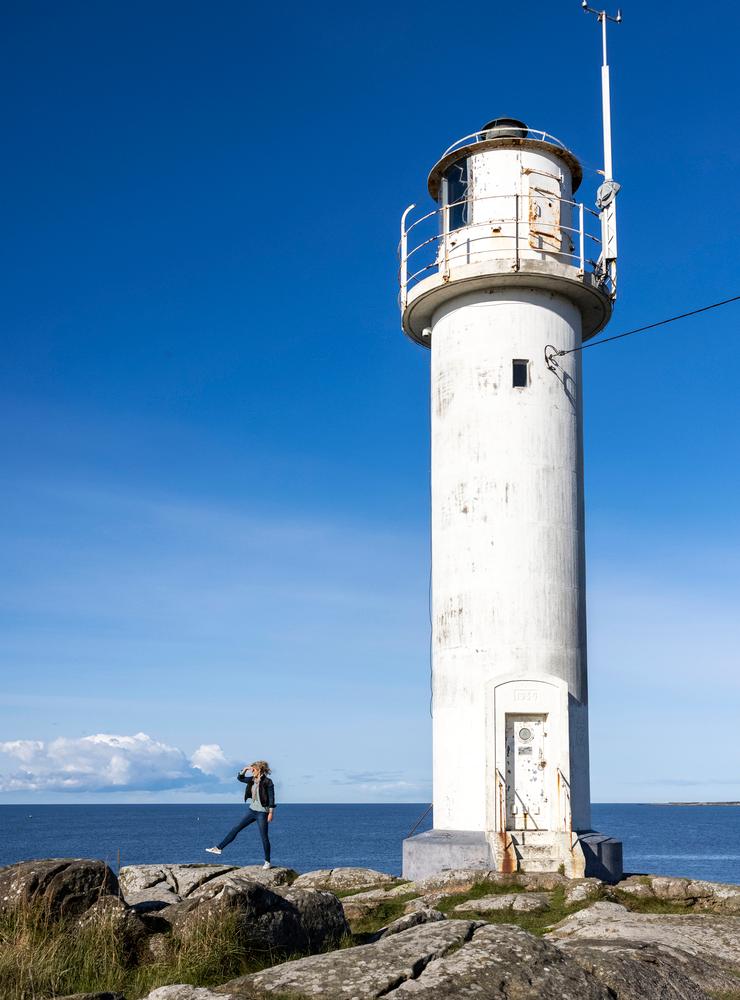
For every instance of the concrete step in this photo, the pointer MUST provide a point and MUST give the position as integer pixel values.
(538, 865)
(533, 838)
(539, 851)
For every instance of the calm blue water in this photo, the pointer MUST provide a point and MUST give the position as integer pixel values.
(698, 841)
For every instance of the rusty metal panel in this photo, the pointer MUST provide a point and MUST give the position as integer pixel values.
(526, 772)
(544, 211)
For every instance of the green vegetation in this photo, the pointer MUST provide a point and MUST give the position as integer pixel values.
(649, 904)
(535, 923)
(384, 913)
(343, 893)
(42, 957)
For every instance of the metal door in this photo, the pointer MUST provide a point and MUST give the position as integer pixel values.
(526, 773)
(544, 211)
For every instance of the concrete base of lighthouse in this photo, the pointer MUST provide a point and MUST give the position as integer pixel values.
(592, 855)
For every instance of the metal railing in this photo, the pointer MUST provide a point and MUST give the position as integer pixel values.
(504, 132)
(499, 227)
(564, 806)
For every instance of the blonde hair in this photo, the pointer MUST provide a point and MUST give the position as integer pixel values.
(262, 766)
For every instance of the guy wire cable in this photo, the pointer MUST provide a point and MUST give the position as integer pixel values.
(640, 329)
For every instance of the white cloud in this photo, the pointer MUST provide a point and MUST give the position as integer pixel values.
(106, 762)
(211, 760)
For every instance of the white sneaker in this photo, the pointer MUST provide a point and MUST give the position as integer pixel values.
(213, 850)
(265, 865)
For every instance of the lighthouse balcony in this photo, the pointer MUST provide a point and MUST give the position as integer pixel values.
(493, 240)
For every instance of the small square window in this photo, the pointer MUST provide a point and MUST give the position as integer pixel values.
(520, 374)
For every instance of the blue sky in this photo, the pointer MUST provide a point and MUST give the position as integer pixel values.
(215, 438)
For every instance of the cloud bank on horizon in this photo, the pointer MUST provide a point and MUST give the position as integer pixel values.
(106, 762)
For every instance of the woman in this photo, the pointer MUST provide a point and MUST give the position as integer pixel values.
(260, 794)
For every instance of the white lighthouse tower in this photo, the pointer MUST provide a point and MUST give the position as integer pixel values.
(505, 272)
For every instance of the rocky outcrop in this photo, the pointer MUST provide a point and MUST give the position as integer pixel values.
(715, 897)
(149, 888)
(183, 992)
(643, 971)
(505, 962)
(606, 948)
(265, 921)
(701, 935)
(127, 926)
(372, 970)
(62, 886)
(516, 902)
(463, 879)
(424, 915)
(342, 879)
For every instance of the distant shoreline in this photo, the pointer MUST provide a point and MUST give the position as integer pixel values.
(697, 803)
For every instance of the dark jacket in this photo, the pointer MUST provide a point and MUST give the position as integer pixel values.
(267, 789)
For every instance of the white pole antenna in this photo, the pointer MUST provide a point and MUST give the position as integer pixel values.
(606, 109)
(608, 191)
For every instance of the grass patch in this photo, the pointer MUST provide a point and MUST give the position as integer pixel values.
(386, 912)
(41, 957)
(535, 923)
(642, 904)
(477, 891)
(344, 893)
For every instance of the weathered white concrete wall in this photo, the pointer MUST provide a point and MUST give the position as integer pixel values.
(499, 223)
(507, 531)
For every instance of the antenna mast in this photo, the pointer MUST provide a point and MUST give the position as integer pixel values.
(607, 193)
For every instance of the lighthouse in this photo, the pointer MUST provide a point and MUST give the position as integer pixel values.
(502, 280)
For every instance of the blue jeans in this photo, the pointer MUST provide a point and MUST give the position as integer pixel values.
(252, 816)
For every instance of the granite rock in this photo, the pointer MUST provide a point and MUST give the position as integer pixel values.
(634, 971)
(64, 886)
(129, 929)
(265, 920)
(714, 897)
(273, 878)
(371, 970)
(423, 915)
(712, 937)
(505, 962)
(518, 902)
(342, 879)
(182, 991)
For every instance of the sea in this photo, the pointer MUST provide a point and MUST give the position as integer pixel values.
(694, 841)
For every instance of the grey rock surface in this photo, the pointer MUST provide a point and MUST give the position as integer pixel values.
(518, 902)
(505, 962)
(276, 921)
(135, 878)
(715, 897)
(187, 878)
(129, 929)
(164, 884)
(321, 916)
(583, 890)
(431, 899)
(152, 899)
(182, 991)
(341, 879)
(273, 878)
(645, 971)
(66, 886)
(421, 916)
(707, 936)
(463, 879)
(371, 970)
